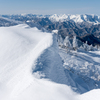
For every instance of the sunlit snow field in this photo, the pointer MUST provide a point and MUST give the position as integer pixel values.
(20, 47)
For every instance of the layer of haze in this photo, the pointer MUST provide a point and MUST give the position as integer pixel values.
(50, 6)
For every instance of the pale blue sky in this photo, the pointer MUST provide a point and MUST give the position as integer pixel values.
(50, 6)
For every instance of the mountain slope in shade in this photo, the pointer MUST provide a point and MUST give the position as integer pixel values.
(90, 39)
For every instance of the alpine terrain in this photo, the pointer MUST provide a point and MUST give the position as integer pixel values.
(49, 57)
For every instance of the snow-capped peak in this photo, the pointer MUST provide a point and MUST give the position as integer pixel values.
(56, 17)
(76, 18)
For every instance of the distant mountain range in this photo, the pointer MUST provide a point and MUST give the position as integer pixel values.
(67, 25)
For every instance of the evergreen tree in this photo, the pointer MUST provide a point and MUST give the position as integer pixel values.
(91, 47)
(67, 43)
(75, 45)
(60, 41)
(86, 46)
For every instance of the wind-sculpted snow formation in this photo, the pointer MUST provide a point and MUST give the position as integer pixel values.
(78, 69)
(34, 66)
(20, 47)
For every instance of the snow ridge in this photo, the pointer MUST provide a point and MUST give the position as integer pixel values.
(30, 64)
(76, 18)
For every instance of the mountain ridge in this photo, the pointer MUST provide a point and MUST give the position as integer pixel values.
(67, 25)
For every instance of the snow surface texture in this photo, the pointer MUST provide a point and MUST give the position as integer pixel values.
(80, 70)
(49, 64)
(23, 52)
(83, 68)
(20, 46)
(92, 95)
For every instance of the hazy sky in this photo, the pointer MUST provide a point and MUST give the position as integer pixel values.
(50, 6)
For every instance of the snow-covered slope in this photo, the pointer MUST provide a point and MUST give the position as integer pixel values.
(27, 55)
(83, 68)
(20, 46)
(91, 95)
(7, 22)
(76, 18)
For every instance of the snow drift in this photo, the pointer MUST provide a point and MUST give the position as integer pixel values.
(27, 55)
(20, 46)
